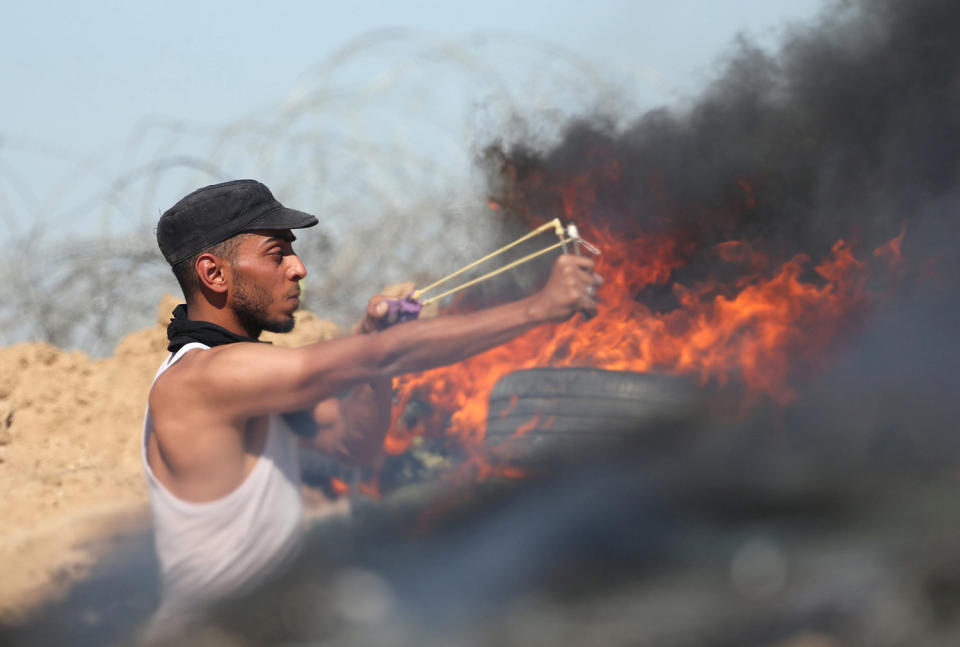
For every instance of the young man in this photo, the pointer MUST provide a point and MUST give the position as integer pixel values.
(220, 459)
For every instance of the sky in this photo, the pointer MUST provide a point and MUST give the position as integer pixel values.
(81, 79)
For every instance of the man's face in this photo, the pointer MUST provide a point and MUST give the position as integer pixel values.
(266, 275)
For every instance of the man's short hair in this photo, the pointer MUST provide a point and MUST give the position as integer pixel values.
(186, 270)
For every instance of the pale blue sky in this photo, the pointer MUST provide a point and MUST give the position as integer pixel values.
(79, 77)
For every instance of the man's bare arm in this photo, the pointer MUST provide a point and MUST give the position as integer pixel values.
(252, 379)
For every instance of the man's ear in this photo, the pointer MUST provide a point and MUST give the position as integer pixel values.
(210, 272)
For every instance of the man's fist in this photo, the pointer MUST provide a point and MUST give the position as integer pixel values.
(375, 318)
(572, 287)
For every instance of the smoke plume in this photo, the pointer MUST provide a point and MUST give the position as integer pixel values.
(850, 131)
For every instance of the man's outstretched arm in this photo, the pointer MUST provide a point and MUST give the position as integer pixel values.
(252, 379)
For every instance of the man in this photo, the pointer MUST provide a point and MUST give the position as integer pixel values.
(220, 459)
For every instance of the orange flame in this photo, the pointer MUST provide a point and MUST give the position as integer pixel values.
(756, 327)
(891, 254)
(529, 425)
(339, 487)
(753, 329)
(891, 250)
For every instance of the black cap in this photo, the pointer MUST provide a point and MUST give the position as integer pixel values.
(219, 211)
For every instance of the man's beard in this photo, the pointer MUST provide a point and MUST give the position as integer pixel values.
(250, 306)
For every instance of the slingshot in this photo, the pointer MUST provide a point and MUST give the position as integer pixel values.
(408, 308)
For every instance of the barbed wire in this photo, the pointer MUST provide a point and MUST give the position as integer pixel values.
(378, 139)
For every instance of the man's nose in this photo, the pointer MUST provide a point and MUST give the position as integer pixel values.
(295, 268)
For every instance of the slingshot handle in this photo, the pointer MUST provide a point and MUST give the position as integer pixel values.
(575, 235)
(400, 310)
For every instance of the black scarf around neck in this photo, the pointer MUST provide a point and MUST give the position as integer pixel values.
(182, 331)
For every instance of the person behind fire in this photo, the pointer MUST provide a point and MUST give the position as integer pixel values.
(218, 452)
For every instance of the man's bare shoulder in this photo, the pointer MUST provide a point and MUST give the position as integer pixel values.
(223, 375)
(197, 444)
(199, 373)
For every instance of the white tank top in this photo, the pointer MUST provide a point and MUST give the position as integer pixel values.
(212, 550)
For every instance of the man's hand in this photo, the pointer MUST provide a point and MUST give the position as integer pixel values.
(375, 318)
(331, 429)
(572, 287)
(353, 428)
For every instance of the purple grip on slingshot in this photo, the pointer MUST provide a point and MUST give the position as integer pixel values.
(400, 310)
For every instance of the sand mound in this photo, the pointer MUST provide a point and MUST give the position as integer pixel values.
(70, 470)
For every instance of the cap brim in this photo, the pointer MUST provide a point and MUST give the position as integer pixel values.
(283, 218)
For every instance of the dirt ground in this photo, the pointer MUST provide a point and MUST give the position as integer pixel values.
(70, 471)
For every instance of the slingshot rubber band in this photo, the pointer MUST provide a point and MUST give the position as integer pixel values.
(553, 224)
(500, 270)
(409, 307)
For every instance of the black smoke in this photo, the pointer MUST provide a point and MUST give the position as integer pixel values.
(849, 131)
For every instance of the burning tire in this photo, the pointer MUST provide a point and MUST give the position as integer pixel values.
(556, 409)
